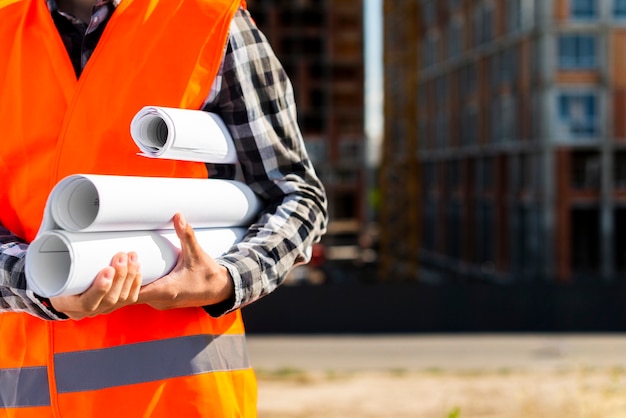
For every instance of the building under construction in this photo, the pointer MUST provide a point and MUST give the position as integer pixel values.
(505, 140)
(320, 44)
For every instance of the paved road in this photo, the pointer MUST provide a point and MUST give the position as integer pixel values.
(431, 352)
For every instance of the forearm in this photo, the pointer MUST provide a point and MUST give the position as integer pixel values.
(281, 238)
(14, 296)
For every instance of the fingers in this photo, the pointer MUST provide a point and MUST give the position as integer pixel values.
(114, 286)
(132, 284)
(127, 279)
(91, 299)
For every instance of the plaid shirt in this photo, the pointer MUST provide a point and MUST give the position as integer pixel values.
(254, 97)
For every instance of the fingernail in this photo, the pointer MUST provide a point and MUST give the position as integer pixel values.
(183, 222)
(133, 258)
(108, 274)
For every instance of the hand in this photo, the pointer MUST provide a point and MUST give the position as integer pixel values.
(196, 280)
(115, 286)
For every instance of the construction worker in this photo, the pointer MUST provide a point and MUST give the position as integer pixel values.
(73, 73)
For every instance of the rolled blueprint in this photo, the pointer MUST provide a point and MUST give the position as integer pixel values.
(182, 134)
(90, 203)
(66, 263)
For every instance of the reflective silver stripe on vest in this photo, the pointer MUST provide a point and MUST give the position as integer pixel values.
(24, 387)
(150, 361)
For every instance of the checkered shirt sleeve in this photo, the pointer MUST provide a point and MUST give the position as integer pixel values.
(255, 99)
(13, 294)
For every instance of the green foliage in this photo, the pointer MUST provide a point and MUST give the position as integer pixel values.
(455, 413)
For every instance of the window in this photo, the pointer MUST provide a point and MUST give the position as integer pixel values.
(454, 175)
(577, 115)
(485, 242)
(620, 169)
(484, 173)
(495, 119)
(316, 148)
(468, 79)
(584, 9)
(422, 120)
(619, 240)
(577, 51)
(585, 230)
(469, 126)
(454, 228)
(454, 38)
(429, 51)
(351, 151)
(429, 224)
(522, 243)
(586, 170)
(507, 66)
(536, 115)
(428, 11)
(619, 9)
(483, 24)
(346, 175)
(453, 4)
(525, 172)
(441, 91)
(514, 15)
(429, 177)
(494, 67)
(509, 119)
(441, 129)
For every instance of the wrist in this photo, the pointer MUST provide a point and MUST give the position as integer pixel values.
(224, 285)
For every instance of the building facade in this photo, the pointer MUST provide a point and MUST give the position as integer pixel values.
(320, 43)
(521, 139)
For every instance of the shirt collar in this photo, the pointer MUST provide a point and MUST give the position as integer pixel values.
(53, 6)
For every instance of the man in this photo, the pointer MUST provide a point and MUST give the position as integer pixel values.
(72, 75)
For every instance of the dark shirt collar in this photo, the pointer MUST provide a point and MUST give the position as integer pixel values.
(53, 6)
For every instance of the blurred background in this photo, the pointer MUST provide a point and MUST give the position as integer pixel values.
(474, 156)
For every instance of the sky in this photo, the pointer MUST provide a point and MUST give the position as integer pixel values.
(373, 78)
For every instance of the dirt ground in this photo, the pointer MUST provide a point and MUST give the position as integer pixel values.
(442, 377)
(442, 394)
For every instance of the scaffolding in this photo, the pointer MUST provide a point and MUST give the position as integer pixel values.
(399, 179)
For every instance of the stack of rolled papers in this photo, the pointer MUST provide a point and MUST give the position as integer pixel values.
(89, 218)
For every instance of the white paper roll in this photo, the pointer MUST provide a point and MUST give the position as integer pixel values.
(91, 203)
(66, 263)
(182, 134)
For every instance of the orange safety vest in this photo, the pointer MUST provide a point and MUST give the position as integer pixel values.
(137, 361)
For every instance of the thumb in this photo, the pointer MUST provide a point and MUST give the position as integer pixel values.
(186, 235)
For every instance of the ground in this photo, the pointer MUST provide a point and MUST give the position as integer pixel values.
(442, 394)
(442, 377)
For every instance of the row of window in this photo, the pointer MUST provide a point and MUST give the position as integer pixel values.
(483, 240)
(585, 172)
(578, 10)
(522, 229)
(481, 171)
(513, 11)
(590, 9)
(577, 118)
(575, 51)
(455, 37)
